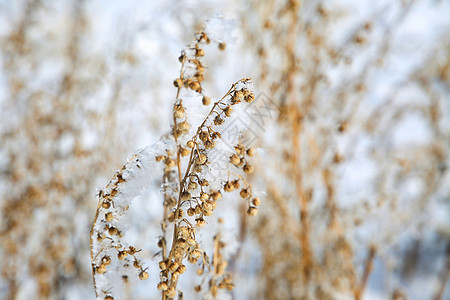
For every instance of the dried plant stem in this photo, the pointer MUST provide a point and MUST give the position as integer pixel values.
(359, 290)
(444, 277)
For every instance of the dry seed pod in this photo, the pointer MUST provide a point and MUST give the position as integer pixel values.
(185, 196)
(204, 196)
(199, 52)
(192, 185)
(252, 211)
(190, 144)
(113, 231)
(106, 260)
(248, 169)
(235, 160)
(101, 269)
(136, 264)
(250, 152)
(216, 195)
(173, 267)
(244, 193)
(184, 126)
(202, 158)
(181, 269)
(171, 292)
(204, 182)
(190, 212)
(178, 83)
(182, 58)
(218, 121)
(162, 286)
(222, 46)
(200, 222)
(185, 152)
(162, 265)
(228, 111)
(228, 187)
(249, 98)
(143, 275)
(178, 114)
(121, 255)
(235, 184)
(206, 100)
(256, 201)
(109, 217)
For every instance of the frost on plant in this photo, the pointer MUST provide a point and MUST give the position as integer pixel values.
(201, 159)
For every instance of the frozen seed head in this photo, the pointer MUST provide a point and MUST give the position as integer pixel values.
(109, 217)
(181, 269)
(248, 169)
(101, 269)
(143, 275)
(178, 114)
(192, 185)
(191, 211)
(256, 201)
(249, 98)
(171, 292)
(184, 126)
(173, 267)
(169, 162)
(178, 83)
(179, 213)
(136, 264)
(191, 242)
(235, 184)
(209, 144)
(204, 196)
(202, 158)
(250, 152)
(207, 206)
(182, 58)
(162, 286)
(121, 255)
(190, 144)
(206, 100)
(218, 121)
(199, 52)
(185, 152)
(200, 222)
(228, 187)
(235, 160)
(228, 110)
(163, 265)
(106, 260)
(216, 195)
(252, 211)
(183, 231)
(245, 193)
(159, 158)
(109, 298)
(113, 231)
(185, 196)
(222, 46)
(204, 182)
